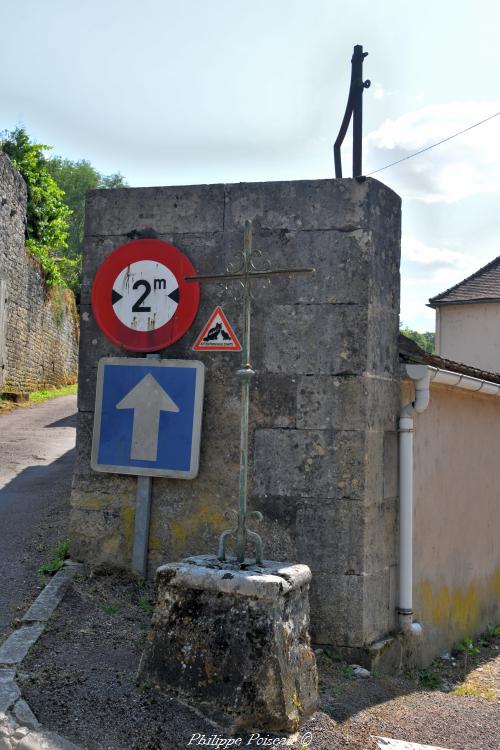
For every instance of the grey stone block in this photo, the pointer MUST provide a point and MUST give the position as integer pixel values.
(357, 611)
(44, 740)
(14, 649)
(330, 535)
(374, 467)
(382, 352)
(25, 715)
(347, 537)
(380, 535)
(9, 692)
(312, 339)
(311, 204)
(337, 616)
(341, 261)
(48, 599)
(234, 642)
(192, 208)
(306, 463)
(379, 614)
(346, 402)
(391, 466)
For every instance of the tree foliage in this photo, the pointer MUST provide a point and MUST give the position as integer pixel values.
(47, 213)
(56, 204)
(425, 340)
(75, 178)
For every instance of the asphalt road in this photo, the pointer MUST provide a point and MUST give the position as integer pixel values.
(36, 468)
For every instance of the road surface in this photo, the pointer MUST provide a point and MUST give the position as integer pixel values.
(36, 467)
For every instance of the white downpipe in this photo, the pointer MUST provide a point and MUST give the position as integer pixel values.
(421, 376)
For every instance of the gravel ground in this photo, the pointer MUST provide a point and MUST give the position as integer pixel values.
(80, 681)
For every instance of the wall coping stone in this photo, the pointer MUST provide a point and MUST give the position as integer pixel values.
(269, 581)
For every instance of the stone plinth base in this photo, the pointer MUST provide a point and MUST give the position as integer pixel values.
(234, 642)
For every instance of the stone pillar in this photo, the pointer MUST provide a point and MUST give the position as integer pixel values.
(235, 643)
(324, 403)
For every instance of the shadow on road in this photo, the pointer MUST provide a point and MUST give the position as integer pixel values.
(65, 422)
(34, 511)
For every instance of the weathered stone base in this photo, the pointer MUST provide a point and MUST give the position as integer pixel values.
(234, 643)
(394, 654)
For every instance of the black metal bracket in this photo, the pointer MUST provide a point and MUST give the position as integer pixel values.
(354, 109)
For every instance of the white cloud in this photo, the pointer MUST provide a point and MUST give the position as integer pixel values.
(464, 166)
(378, 90)
(427, 271)
(436, 258)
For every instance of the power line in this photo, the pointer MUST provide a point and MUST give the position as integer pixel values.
(405, 158)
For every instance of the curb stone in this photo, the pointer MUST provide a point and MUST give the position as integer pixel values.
(19, 727)
(385, 743)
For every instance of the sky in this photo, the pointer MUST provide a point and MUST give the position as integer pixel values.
(207, 91)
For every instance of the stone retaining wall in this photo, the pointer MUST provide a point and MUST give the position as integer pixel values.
(38, 325)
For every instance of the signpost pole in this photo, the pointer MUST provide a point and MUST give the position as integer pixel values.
(141, 531)
(142, 518)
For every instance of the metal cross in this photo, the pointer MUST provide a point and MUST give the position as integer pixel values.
(246, 275)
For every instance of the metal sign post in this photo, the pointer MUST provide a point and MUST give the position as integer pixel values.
(142, 517)
(141, 303)
(246, 275)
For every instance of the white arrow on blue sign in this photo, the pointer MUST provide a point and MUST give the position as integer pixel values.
(148, 417)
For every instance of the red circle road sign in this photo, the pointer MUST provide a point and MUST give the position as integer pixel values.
(140, 299)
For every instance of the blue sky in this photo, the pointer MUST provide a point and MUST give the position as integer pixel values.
(201, 91)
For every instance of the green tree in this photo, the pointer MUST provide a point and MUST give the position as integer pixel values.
(75, 178)
(425, 340)
(47, 213)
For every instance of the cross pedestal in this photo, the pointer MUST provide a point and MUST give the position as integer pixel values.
(234, 642)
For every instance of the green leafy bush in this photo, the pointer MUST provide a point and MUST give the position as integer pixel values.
(47, 214)
(426, 341)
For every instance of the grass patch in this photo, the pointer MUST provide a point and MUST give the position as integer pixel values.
(430, 679)
(474, 690)
(109, 609)
(44, 395)
(345, 671)
(145, 604)
(58, 555)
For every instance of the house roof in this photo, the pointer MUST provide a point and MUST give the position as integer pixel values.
(410, 352)
(482, 286)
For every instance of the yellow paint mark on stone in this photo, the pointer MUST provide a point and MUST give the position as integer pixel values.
(128, 518)
(154, 543)
(92, 502)
(184, 529)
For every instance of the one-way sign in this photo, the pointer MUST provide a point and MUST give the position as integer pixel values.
(148, 417)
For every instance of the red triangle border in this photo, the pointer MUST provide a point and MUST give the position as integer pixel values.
(236, 346)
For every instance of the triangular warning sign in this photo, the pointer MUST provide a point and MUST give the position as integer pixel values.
(217, 335)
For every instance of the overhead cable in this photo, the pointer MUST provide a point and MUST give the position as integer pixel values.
(427, 148)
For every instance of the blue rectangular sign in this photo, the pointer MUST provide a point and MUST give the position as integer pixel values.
(148, 417)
